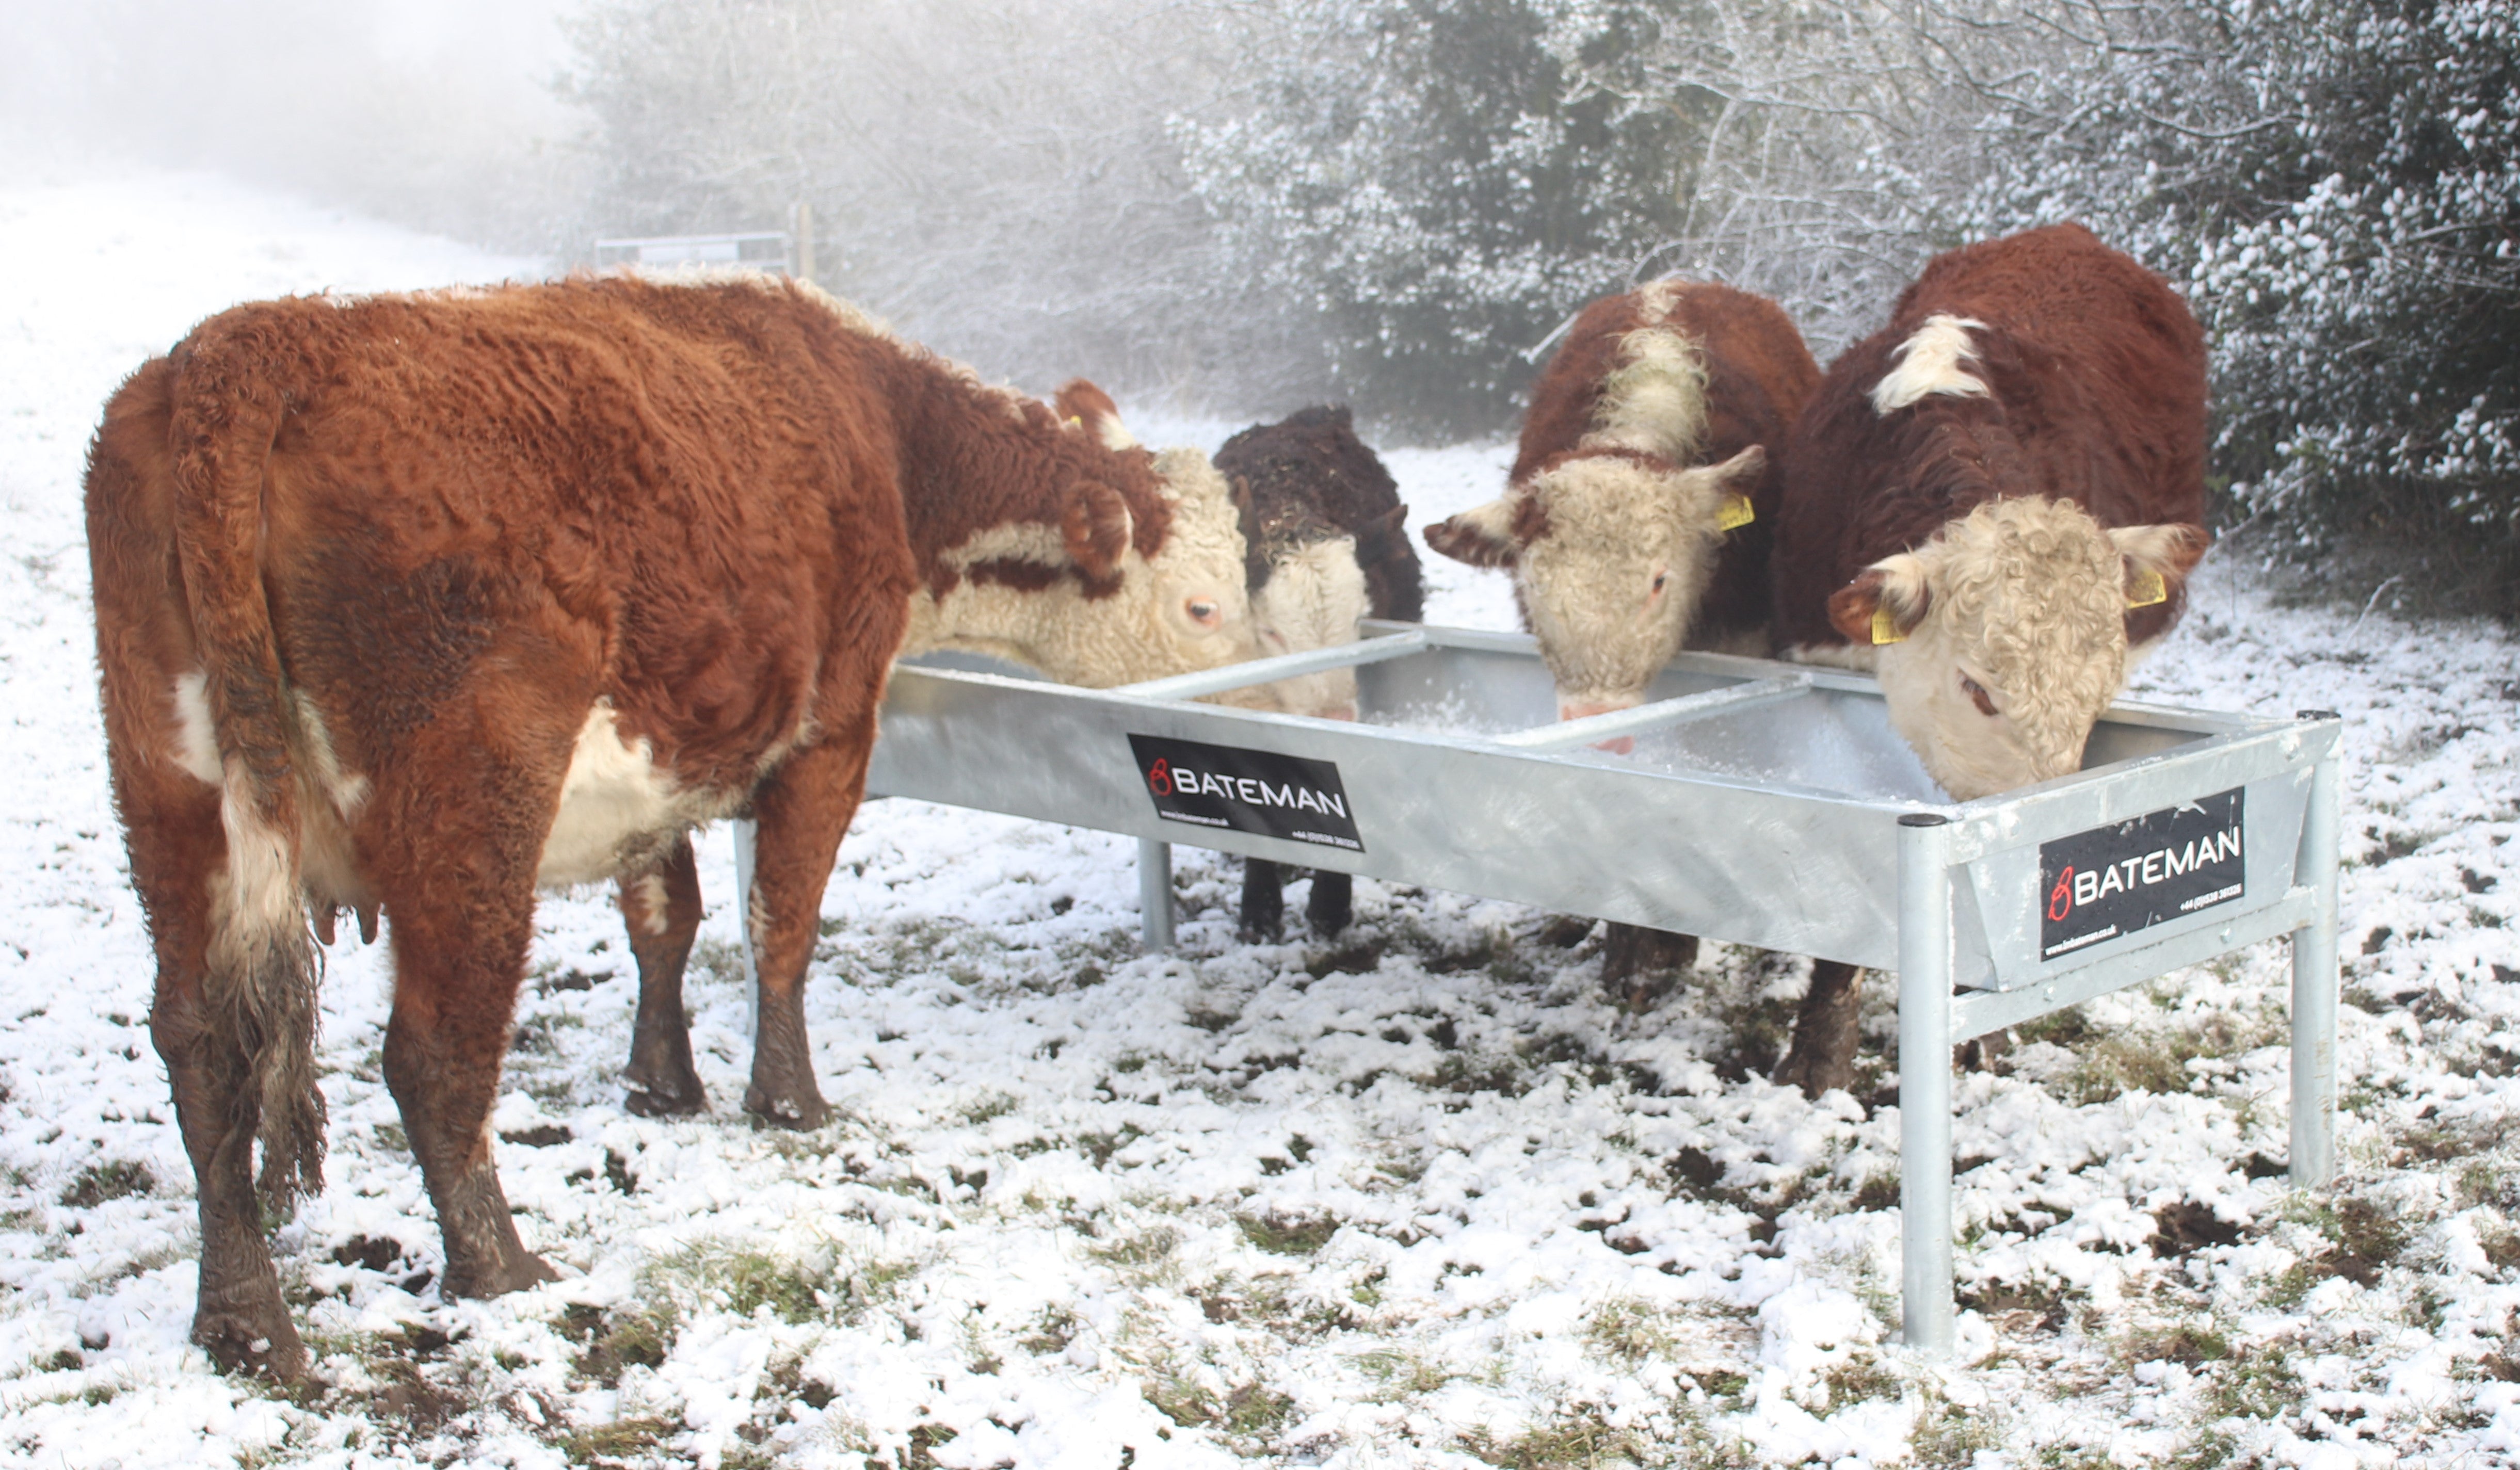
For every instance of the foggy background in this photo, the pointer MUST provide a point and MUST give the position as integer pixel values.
(1240, 206)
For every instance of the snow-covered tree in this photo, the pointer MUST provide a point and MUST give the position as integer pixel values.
(1426, 181)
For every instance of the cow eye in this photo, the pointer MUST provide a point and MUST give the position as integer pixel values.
(1978, 696)
(1201, 611)
(1659, 579)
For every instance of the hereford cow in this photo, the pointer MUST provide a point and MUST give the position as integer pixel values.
(1993, 503)
(1325, 544)
(421, 603)
(1636, 520)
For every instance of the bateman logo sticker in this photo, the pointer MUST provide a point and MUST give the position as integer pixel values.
(2114, 880)
(1247, 791)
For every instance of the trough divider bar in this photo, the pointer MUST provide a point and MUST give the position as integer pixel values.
(1155, 894)
(1925, 1081)
(1662, 713)
(2315, 978)
(1235, 676)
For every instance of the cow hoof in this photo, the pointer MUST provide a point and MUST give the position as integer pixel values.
(254, 1343)
(520, 1271)
(1332, 905)
(664, 1105)
(1815, 1074)
(801, 1113)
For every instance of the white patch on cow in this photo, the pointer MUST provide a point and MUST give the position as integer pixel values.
(1614, 587)
(346, 790)
(612, 795)
(196, 741)
(253, 900)
(2025, 596)
(1929, 362)
(1314, 598)
(654, 916)
(1654, 401)
(1145, 629)
(1656, 298)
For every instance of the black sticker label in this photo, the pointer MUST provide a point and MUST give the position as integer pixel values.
(1247, 791)
(2115, 880)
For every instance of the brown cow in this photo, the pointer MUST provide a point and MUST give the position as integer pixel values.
(1636, 520)
(1993, 503)
(418, 603)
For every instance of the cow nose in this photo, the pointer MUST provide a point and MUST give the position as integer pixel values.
(1335, 712)
(1585, 710)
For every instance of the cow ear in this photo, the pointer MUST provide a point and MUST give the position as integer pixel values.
(1383, 537)
(1884, 604)
(1093, 411)
(1731, 482)
(1482, 535)
(2158, 559)
(1097, 528)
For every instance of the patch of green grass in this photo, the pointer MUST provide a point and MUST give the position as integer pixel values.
(994, 1106)
(1139, 1248)
(2156, 1062)
(1575, 1441)
(1859, 1379)
(613, 1342)
(1949, 1437)
(2253, 1384)
(2188, 1343)
(1403, 1375)
(621, 1442)
(752, 1279)
(1288, 1235)
(113, 1178)
(1051, 1331)
(1631, 1330)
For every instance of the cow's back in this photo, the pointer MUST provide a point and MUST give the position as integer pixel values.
(675, 499)
(2098, 376)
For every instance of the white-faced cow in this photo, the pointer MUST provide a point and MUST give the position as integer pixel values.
(1636, 520)
(1993, 503)
(418, 603)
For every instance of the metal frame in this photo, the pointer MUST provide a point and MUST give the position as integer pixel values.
(1765, 803)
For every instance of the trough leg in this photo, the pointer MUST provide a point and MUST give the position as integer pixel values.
(1156, 893)
(2314, 985)
(663, 911)
(1925, 1081)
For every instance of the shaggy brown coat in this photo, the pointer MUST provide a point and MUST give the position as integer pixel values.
(410, 603)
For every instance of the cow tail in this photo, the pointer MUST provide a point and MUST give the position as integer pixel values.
(263, 965)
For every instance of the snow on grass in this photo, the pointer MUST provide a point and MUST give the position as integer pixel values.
(1422, 1196)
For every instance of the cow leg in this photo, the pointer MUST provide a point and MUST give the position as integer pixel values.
(1641, 965)
(463, 909)
(804, 812)
(1822, 1055)
(176, 844)
(662, 910)
(1332, 903)
(1264, 902)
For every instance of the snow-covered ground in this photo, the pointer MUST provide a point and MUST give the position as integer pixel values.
(1423, 1197)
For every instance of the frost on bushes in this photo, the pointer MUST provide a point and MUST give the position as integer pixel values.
(2337, 188)
(1431, 181)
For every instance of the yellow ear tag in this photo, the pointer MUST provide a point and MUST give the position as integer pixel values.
(2149, 589)
(1737, 512)
(1885, 631)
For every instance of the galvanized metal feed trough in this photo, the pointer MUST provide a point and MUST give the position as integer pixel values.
(1764, 804)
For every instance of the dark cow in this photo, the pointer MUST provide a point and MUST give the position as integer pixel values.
(1637, 518)
(1320, 514)
(418, 602)
(1993, 504)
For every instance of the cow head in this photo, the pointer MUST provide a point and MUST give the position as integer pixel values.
(2001, 641)
(1610, 554)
